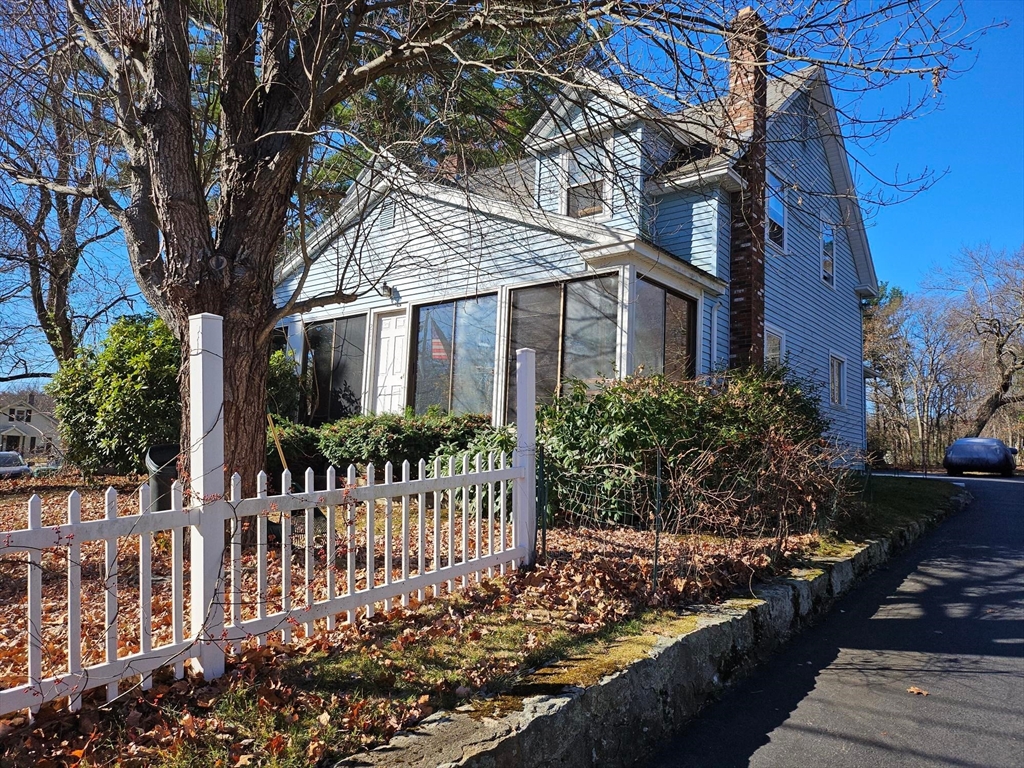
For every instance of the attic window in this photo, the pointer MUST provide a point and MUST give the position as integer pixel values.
(776, 210)
(586, 181)
(805, 128)
(828, 245)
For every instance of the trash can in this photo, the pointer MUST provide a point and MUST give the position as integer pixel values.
(162, 463)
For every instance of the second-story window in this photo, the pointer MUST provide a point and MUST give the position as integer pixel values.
(775, 205)
(585, 190)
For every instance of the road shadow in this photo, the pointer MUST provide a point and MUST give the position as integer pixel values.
(956, 594)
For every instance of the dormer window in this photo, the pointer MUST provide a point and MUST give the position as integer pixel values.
(585, 190)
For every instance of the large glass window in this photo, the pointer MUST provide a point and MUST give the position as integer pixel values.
(665, 338)
(573, 328)
(335, 350)
(455, 355)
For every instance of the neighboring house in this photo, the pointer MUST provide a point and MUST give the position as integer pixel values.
(630, 238)
(27, 425)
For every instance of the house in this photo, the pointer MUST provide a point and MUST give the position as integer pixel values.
(27, 424)
(630, 237)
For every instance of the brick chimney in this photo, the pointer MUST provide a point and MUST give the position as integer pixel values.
(747, 118)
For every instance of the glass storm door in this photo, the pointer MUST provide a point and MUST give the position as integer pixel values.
(391, 363)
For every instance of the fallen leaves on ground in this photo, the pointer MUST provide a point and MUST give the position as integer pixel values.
(354, 687)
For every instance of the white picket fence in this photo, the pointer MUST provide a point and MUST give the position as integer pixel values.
(360, 544)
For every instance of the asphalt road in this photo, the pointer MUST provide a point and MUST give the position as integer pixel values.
(947, 617)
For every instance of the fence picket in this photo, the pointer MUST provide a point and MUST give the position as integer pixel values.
(437, 524)
(262, 554)
(451, 521)
(421, 516)
(350, 546)
(75, 604)
(329, 552)
(389, 536)
(286, 558)
(491, 489)
(405, 533)
(477, 513)
(110, 586)
(371, 535)
(502, 514)
(145, 585)
(178, 577)
(310, 543)
(35, 604)
(235, 596)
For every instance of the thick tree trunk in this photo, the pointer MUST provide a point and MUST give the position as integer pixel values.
(986, 411)
(245, 375)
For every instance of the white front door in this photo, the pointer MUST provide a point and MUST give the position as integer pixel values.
(391, 362)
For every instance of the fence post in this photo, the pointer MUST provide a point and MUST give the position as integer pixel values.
(206, 467)
(525, 494)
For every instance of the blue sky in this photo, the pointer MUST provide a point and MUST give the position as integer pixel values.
(977, 135)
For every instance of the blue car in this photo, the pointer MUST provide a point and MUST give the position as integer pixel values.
(979, 454)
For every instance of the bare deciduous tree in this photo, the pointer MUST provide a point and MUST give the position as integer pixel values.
(218, 106)
(60, 278)
(987, 298)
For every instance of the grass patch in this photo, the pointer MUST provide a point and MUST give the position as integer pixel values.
(890, 503)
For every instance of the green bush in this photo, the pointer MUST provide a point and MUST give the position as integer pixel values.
(396, 438)
(497, 439)
(301, 447)
(284, 385)
(112, 403)
(745, 447)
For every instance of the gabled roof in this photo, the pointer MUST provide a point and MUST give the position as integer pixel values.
(819, 92)
(711, 159)
(705, 157)
(476, 194)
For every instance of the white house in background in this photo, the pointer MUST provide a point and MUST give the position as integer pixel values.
(628, 237)
(27, 425)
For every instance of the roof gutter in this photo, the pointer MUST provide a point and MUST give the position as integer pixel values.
(655, 262)
(723, 175)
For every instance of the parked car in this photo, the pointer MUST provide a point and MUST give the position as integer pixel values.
(979, 454)
(13, 466)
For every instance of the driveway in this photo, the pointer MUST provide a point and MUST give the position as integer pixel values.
(947, 617)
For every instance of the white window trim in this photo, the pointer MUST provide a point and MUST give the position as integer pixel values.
(823, 222)
(769, 243)
(776, 331)
(843, 384)
(606, 198)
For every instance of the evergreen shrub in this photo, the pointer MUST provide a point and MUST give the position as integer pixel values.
(396, 437)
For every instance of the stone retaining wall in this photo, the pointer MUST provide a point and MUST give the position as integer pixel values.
(622, 717)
